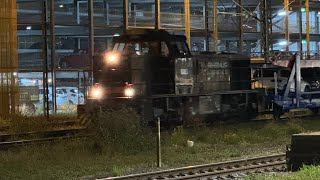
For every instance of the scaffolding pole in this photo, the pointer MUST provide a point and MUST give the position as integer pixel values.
(91, 40)
(187, 20)
(53, 57)
(157, 14)
(45, 61)
(287, 35)
(240, 11)
(307, 28)
(206, 25)
(215, 26)
(125, 15)
(300, 29)
(266, 28)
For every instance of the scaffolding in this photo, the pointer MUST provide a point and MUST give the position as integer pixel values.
(251, 27)
(8, 57)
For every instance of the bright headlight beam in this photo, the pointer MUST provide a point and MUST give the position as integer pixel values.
(96, 93)
(112, 58)
(129, 92)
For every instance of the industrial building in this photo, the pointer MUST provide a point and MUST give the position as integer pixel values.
(49, 44)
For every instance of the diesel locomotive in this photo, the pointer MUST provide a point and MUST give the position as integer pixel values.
(155, 73)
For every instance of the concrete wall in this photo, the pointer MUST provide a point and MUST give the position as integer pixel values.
(8, 56)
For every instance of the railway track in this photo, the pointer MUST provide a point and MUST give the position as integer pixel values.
(31, 138)
(50, 124)
(46, 134)
(20, 143)
(225, 170)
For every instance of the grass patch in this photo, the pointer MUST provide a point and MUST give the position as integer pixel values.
(120, 130)
(122, 145)
(22, 124)
(307, 172)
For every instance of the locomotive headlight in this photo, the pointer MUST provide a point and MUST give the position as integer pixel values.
(129, 92)
(96, 91)
(112, 58)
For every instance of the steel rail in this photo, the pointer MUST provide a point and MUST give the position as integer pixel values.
(45, 134)
(216, 170)
(10, 144)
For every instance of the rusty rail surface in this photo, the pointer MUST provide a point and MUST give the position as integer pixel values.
(229, 169)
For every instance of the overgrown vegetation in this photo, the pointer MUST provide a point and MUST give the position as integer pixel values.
(122, 144)
(21, 124)
(120, 130)
(307, 172)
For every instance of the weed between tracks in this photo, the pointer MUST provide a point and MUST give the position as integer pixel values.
(22, 124)
(122, 145)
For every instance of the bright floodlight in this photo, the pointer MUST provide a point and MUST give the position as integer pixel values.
(283, 43)
(282, 13)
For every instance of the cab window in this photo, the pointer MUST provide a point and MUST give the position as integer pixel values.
(164, 49)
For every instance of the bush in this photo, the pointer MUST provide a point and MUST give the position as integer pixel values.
(294, 128)
(121, 130)
(22, 124)
(232, 138)
(272, 130)
(178, 137)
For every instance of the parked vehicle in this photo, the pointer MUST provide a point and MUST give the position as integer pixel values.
(264, 77)
(73, 94)
(61, 98)
(312, 76)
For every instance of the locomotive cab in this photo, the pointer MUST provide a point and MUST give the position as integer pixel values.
(142, 65)
(153, 72)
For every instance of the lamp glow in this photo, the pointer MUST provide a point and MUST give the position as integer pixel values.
(282, 13)
(112, 58)
(96, 91)
(283, 43)
(129, 92)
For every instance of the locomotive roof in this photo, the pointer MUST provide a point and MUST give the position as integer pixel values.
(149, 35)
